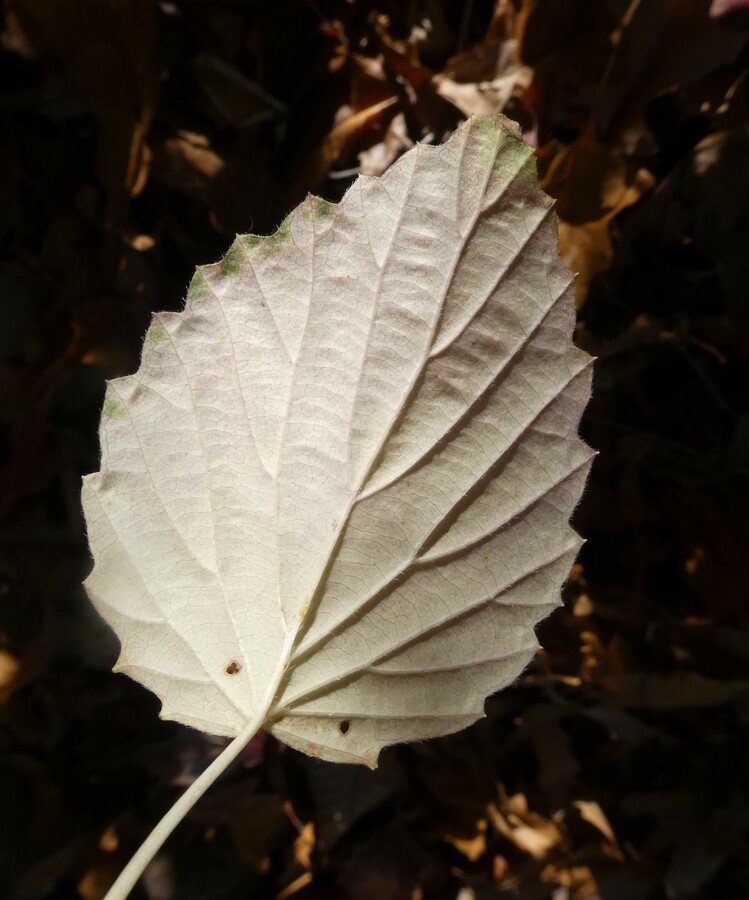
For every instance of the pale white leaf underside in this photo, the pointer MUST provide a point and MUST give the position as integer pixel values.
(338, 488)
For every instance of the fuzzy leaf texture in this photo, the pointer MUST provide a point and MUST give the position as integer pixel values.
(337, 491)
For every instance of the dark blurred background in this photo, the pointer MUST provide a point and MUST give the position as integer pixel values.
(136, 138)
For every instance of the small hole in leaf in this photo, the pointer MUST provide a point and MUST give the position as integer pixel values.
(345, 726)
(234, 668)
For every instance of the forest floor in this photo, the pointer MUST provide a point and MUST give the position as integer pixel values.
(136, 139)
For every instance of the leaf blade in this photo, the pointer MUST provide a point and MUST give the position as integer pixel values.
(365, 512)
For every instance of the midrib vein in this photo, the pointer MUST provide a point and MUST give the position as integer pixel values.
(316, 596)
(356, 496)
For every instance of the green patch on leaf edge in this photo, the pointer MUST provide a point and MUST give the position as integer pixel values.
(113, 408)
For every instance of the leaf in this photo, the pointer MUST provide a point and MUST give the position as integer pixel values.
(334, 499)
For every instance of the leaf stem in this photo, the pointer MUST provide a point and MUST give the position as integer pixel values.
(152, 844)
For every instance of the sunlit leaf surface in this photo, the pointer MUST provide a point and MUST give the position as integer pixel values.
(337, 490)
